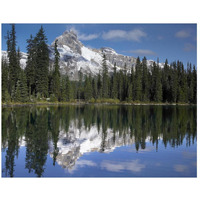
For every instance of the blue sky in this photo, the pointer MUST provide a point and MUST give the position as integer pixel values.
(171, 41)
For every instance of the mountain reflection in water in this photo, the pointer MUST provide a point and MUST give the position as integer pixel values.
(66, 133)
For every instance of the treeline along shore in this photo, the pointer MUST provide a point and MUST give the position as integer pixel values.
(37, 84)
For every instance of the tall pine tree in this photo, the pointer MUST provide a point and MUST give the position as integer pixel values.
(42, 64)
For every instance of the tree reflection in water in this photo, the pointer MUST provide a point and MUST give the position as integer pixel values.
(66, 132)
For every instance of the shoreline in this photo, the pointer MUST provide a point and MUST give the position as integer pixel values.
(88, 103)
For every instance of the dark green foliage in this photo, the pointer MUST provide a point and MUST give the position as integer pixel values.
(105, 81)
(69, 89)
(138, 80)
(42, 63)
(114, 83)
(56, 73)
(194, 75)
(145, 81)
(30, 69)
(99, 86)
(88, 88)
(14, 65)
(5, 94)
(21, 93)
(94, 88)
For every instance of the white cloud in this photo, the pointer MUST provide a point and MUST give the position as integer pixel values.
(182, 34)
(133, 166)
(189, 47)
(82, 36)
(135, 35)
(143, 52)
(80, 164)
(160, 37)
(87, 37)
(180, 168)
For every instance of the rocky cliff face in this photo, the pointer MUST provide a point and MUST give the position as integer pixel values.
(75, 57)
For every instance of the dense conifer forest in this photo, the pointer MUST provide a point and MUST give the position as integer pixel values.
(172, 84)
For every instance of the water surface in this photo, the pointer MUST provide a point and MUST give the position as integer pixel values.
(99, 141)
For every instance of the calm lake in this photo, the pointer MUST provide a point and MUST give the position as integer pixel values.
(99, 141)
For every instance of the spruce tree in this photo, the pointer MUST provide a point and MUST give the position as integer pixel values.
(14, 67)
(104, 78)
(94, 88)
(56, 73)
(69, 94)
(138, 80)
(88, 88)
(174, 83)
(99, 86)
(145, 80)
(194, 74)
(114, 83)
(183, 96)
(23, 87)
(5, 81)
(63, 95)
(30, 69)
(120, 85)
(42, 64)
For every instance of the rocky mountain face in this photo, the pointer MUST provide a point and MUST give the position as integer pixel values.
(75, 57)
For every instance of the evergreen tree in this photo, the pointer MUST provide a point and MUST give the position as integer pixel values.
(145, 81)
(114, 83)
(21, 93)
(104, 78)
(5, 81)
(182, 96)
(69, 94)
(42, 64)
(80, 85)
(174, 84)
(23, 87)
(94, 88)
(158, 95)
(120, 85)
(194, 74)
(166, 78)
(30, 69)
(132, 82)
(14, 67)
(88, 88)
(63, 95)
(138, 80)
(156, 89)
(99, 86)
(56, 73)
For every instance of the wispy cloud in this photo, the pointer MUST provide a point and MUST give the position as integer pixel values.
(180, 168)
(133, 166)
(143, 52)
(188, 47)
(182, 34)
(160, 37)
(88, 37)
(83, 36)
(135, 35)
(82, 163)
